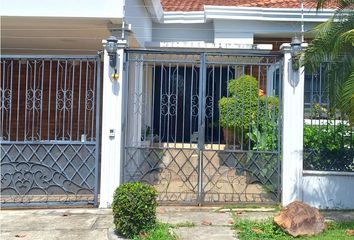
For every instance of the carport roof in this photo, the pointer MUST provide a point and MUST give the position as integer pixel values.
(198, 5)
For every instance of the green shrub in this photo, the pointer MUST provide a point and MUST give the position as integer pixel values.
(134, 208)
(248, 115)
(239, 108)
(328, 147)
(264, 127)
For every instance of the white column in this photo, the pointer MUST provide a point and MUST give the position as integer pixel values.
(112, 145)
(292, 132)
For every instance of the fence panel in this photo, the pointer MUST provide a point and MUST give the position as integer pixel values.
(48, 128)
(204, 127)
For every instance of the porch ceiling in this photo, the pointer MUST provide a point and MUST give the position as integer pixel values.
(44, 35)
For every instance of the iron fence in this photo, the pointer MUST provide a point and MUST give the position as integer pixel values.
(49, 123)
(204, 127)
(328, 135)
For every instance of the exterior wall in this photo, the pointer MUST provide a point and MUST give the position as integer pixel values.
(137, 15)
(327, 190)
(224, 36)
(242, 31)
(64, 8)
(183, 32)
(224, 33)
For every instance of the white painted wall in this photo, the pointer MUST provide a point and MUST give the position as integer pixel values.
(63, 8)
(258, 28)
(183, 32)
(328, 190)
(137, 15)
(225, 36)
(224, 31)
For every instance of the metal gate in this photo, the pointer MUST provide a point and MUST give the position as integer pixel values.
(204, 127)
(49, 130)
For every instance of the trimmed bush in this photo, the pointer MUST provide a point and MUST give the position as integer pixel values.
(134, 208)
(247, 115)
(239, 108)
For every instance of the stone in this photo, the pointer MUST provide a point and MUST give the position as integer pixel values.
(206, 223)
(350, 232)
(231, 222)
(300, 219)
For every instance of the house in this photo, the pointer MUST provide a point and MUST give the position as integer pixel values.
(78, 120)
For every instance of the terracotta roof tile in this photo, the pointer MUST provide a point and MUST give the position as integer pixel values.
(198, 5)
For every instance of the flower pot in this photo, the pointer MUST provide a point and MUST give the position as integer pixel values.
(231, 138)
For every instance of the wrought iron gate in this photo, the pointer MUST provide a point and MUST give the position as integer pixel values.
(50, 112)
(204, 127)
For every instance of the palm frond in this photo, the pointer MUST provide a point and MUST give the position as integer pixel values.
(328, 44)
(344, 4)
(321, 4)
(341, 4)
(333, 47)
(347, 37)
(347, 96)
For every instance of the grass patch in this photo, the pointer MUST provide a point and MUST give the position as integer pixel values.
(162, 231)
(248, 229)
(184, 224)
(266, 230)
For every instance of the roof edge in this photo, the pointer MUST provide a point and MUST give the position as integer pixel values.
(247, 13)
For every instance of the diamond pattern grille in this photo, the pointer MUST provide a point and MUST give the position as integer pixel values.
(240, 177)
(222, 176)
(33, 173)
(174, 172)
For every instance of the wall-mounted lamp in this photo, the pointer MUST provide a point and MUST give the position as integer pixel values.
(295, 53)
(111, 47)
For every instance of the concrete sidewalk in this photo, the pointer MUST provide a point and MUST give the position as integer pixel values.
(56, 224)
(96, 224)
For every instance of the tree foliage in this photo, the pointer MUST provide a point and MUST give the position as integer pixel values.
(334, 43)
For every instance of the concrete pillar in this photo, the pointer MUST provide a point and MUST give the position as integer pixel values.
(292, 132)
(112, 118)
